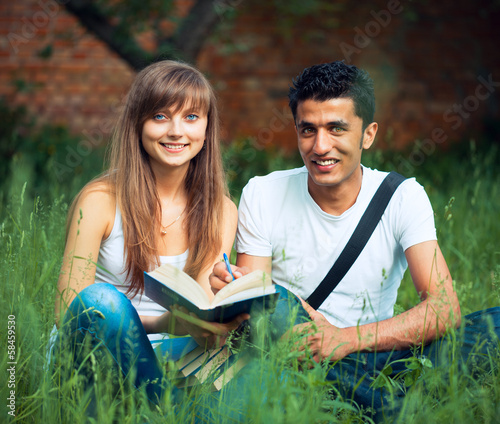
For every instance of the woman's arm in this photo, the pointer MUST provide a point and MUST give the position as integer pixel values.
(91, 222)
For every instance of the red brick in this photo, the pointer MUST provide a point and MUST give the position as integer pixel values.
(420, 68)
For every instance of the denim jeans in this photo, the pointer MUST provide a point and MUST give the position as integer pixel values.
(102, 318)
(354, 375)
(105, 316)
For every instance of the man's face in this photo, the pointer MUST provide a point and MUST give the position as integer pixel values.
(331, 140)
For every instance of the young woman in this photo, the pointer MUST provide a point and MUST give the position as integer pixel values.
(163, 200)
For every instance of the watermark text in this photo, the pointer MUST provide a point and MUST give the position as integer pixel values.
(11, 365)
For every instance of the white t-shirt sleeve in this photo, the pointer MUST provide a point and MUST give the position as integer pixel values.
(416, 218)
(251, 237)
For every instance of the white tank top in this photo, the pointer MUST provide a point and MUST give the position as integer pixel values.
(111, 258)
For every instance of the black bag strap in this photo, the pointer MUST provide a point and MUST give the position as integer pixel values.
(358, 240)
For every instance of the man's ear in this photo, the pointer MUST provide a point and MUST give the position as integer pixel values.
(369, 135)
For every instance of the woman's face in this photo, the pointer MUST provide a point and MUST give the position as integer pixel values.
(173, 139)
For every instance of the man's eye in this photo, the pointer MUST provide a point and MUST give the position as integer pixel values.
(307, 131)
(338, 130)
(192, 117)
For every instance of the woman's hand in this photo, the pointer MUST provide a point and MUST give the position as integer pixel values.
(207, 334)
(181, 322)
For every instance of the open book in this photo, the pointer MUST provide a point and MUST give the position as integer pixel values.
(168, 286)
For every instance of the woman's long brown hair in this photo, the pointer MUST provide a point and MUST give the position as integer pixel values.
(166, 85)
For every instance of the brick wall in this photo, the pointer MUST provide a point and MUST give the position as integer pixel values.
(79, 85)
(431, 62)
(425, 57)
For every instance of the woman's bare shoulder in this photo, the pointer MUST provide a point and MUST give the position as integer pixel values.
(100, 191)
(96, 202)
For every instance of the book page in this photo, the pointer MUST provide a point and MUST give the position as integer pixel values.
(182, 283)
(246, 294)
(256, 279)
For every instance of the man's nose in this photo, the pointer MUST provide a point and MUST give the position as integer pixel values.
(322, 144)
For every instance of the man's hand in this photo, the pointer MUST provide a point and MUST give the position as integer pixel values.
(220, 276)
(323, 340)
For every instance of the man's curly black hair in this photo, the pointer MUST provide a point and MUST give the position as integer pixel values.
(335, 80)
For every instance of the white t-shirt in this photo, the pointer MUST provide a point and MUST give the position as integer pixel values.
(279, 218)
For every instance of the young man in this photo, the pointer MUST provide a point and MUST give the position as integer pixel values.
(295, 223)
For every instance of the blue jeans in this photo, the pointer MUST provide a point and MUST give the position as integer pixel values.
(478, 336)
(114, 325)
(101, 318)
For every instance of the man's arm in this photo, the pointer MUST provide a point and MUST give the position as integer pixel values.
(264, 263)
(438, 311)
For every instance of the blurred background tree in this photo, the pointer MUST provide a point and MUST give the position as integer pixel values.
(174, 30)
(120, 24)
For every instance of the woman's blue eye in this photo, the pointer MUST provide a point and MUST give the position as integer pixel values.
(159, 117)
(192, 117)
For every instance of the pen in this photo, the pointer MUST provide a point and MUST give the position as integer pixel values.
(228, 266)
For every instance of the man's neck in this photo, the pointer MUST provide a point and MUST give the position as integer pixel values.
(336, 199)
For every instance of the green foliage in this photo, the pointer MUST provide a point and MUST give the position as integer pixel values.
(32, 219)
(50, 160)
(292, 13)
(463, 186)
(11, 124)
(136, 16)
(244, 160)
(286, 16)
(46, 52)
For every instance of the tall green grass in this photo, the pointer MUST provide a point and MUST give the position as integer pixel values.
(279, 391)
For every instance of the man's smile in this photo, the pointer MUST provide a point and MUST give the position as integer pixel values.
(326, 162)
